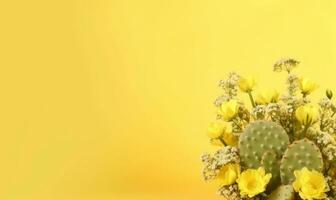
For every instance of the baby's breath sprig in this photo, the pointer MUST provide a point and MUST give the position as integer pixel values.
(286, 64)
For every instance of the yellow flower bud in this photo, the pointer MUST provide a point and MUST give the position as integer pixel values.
(228, 174)
(307, 86)
(253, 182)
(217, 129)
(307, 114)
(266, 97)
(229, 109)
(329, 94)
(310, 184)
(246, 84)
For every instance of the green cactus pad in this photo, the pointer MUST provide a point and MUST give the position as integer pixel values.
(300, 154)
(283, 192)
(258, 138)
(271, 164)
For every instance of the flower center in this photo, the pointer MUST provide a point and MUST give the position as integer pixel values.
(251, 185)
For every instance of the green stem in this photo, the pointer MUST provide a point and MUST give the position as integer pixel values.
(333, 114)
(304, 132)
(321, 123)
(251, 99)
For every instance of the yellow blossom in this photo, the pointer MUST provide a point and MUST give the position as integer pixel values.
(246, 84)
(218, 131)
(266, 97)
(310, 184)
(229, 109)
(228, 174)
(307, 86)
(307, 114)
(230, 139)
(253, 181)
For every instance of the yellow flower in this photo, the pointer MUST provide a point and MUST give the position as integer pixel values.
(228, 174)
(307, 114)
(310, 184)
(230, 139)
(307, 86)
(218, 131)
(253, 181)
(246, 84)
(268, 96)
(229, 109)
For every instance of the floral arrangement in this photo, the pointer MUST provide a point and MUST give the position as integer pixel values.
(279, 146)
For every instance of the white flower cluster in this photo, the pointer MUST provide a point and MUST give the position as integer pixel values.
(230, 192)
(212, 164)
(230, 86)
(327, 145)
(286, 64)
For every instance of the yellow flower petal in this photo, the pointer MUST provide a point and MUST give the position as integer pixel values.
(229, 109)
(228, 174)
(310, 184)
(246, 84)
(307, 114)
(307, 86)
(266, 97)
(253, 182)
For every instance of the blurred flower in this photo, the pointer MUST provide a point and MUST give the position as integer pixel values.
(307, 86)
(310, 184)
(228, 174)
(307, 114)
(253, 181)
(246, 84)
(229, 109)
(266, 97)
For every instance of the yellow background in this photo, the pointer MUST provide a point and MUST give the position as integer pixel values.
(110, 99)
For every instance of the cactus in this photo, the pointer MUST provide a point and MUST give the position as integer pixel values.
(271, 164)
(260, 137)
(283, 192)
(301, 153)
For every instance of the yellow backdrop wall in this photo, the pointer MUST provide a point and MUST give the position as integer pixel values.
(110, 99)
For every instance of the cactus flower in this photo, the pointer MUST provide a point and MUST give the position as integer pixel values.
(217, 129)
(246, 84)
(266, 97)
(307, 114)
(229, 109)
(307, 86)
(310, 184)
(253, 181)
(228, 174)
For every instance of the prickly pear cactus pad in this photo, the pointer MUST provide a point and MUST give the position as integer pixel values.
(258, 138)
(300, 154)
(270, 162)
(284, 192)
(273, 145)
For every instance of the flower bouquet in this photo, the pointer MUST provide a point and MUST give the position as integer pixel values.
(280, 147)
